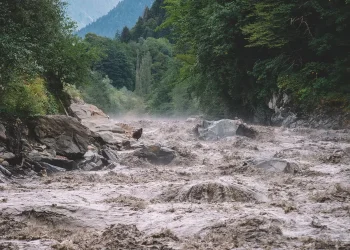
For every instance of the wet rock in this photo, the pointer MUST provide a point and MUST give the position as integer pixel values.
(7, 155)
(156, 154)
(2, 133)
(214, 130)
(289, 120)
(279, 166)
(51, 169)
(64, 134)
(109, 155)
(5, 172)
(90, 155)
(243, 130)
(63, 163)
(5, 164)
(86, 111)
(93, 161)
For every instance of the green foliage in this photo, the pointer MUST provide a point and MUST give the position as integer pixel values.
(265, 29)
(243, 51)
(101, 93)
(25, 97)
(125, 36)
(117, 61)
(147, 25)
(37, 42)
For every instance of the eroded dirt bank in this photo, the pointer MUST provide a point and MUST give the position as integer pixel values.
(213, 195)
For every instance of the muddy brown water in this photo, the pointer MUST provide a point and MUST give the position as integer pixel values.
(210, 197)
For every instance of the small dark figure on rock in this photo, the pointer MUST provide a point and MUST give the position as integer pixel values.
(137, 134)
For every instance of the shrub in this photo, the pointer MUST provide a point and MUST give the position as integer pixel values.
(26, 97)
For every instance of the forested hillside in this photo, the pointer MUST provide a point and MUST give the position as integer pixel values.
(223, 58)
(125, 13)
(242, 51)
(231, 56)
(84, 12)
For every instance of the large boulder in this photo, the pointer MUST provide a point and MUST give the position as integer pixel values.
(113, 138)
(156, 154)
(214, 130)
(63, 134)
(84, 111)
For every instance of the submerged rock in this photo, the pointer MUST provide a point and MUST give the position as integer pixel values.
(51, 169)
(214, 130)
(156, 154)
(279, 166)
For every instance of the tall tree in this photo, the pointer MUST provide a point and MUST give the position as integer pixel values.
(125, 36)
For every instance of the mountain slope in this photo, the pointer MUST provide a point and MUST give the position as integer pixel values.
(84, 12)
(125, 13)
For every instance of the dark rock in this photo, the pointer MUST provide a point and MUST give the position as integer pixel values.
(109, 155)
(51, 169)
(64, 134)
(93, 161)
(61, 163)
(262, 115)
(126, 144)
(214, 130)
(243, 130)
(156, 154)
(34, 165)
(5, 172)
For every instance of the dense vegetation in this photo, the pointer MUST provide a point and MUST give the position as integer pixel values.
(231, 56)
(224, 58)
(245, 50)
(39, 55)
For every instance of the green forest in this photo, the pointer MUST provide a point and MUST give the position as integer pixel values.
(222, 58)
